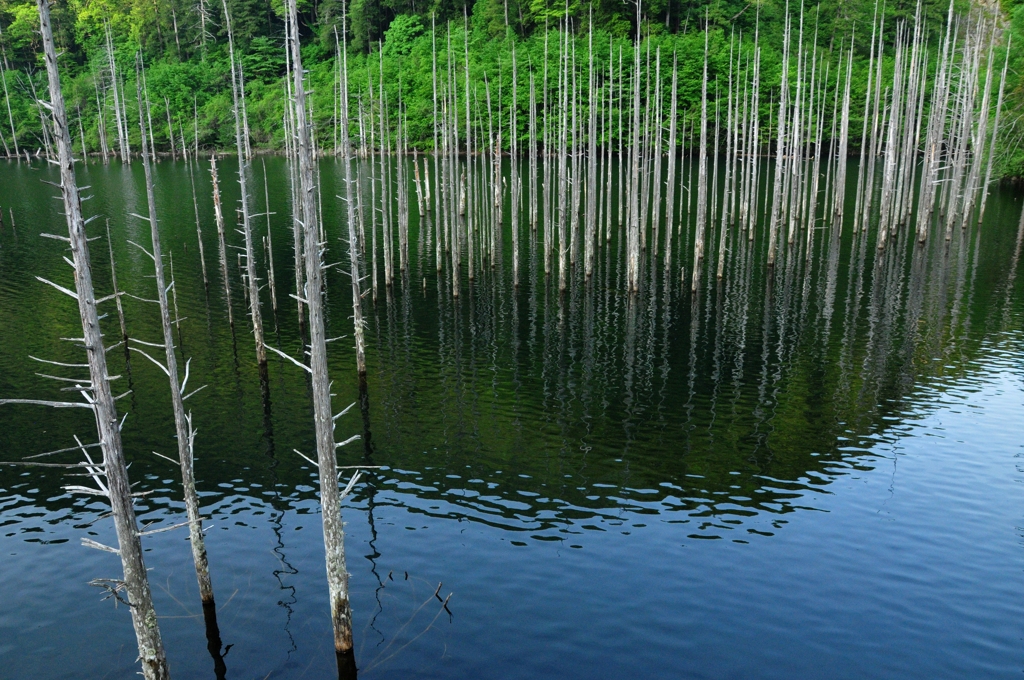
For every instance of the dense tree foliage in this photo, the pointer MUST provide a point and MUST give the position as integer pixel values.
(183, 43)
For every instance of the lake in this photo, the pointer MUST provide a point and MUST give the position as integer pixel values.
(806, 471)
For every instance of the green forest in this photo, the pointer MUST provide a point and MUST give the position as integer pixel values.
(398, 44)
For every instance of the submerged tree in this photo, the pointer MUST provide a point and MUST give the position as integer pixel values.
(182, 421)
(242, 146)
(326, 461)
(110, 476)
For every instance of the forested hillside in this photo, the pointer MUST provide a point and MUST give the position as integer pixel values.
(403, 46)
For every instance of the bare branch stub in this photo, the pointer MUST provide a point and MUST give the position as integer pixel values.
(114, 588)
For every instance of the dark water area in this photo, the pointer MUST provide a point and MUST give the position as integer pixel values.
(807, 471)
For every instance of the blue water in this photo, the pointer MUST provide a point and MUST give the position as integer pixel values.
(792, 474)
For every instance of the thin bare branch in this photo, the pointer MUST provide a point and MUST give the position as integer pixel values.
(347, 441)
(62, 289)
(351, 484)
(163, 529)
(43, 402)
(158, 364)
(282, 354)
(140, 247)
(89, 543)
(306, 458)
(57, 363)
(344, 411)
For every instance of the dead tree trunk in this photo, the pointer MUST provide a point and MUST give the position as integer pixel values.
(633, 226)
(122, 141)
(995, 133)
(182, 421)
(136, 583)
(10, 116)
(330, 498)
(218, 214)
(117, 291)
(351, 188)
(241, 143)
(199, 229)
(670, 187)
(268, 243)
(702, 175)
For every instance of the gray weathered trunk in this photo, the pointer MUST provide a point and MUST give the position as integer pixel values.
(147, 630)
(218, 215)
(182, 421)
(244, 153)
(351, 188)
(334, 535)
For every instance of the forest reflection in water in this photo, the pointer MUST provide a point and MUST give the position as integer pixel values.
(538, 420)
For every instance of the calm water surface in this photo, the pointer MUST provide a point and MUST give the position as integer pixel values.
(811, 472)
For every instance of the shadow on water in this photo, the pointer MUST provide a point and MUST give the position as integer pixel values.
(370, 493)
(213, 642)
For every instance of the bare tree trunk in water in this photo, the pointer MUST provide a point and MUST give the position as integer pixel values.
(241, 143)
(351, 187)
(10, 116)
(182, 421)
(702, 175)
(670, 188)
(995, 132)
(113, 280)
(633, 227)
(330, 498)
(218, 214)
(199, 229)
(136, 583)
(121, 141)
